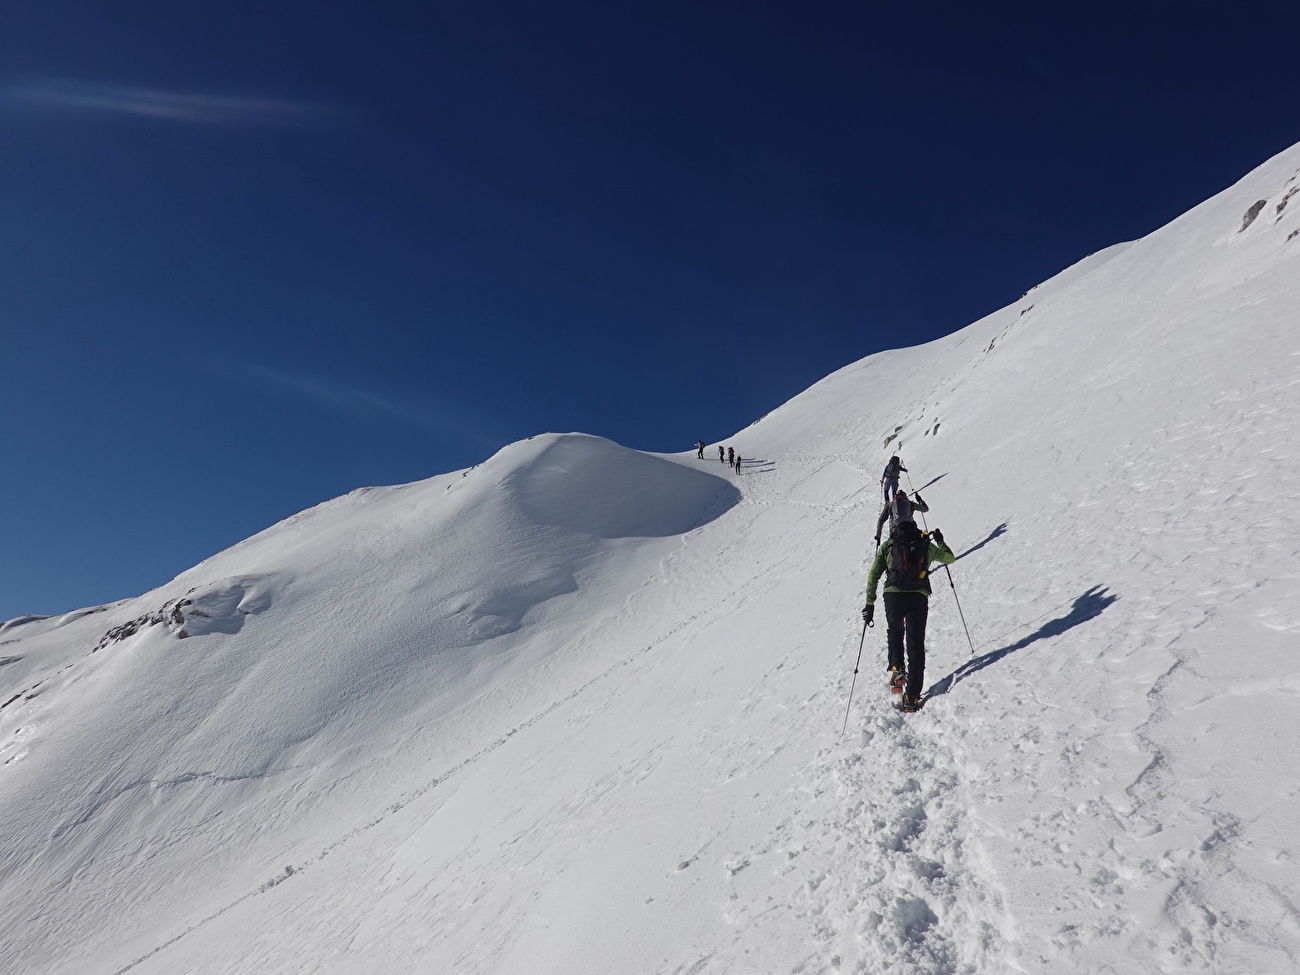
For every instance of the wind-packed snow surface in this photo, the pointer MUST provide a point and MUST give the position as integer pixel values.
(579, 709)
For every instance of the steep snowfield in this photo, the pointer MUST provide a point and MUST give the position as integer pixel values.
(579, 709)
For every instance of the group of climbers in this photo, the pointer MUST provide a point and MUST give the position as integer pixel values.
(730, 457)
(904, 559)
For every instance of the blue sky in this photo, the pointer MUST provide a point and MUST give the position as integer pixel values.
(254, 255)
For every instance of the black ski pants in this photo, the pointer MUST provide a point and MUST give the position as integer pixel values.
(905, 614)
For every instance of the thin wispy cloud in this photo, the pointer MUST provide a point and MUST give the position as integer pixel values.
(450, 422)
(61, 94)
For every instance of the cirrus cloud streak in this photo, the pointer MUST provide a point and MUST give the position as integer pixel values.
(453, 422)
(61, 94)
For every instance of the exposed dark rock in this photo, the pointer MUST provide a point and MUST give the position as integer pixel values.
(1251, 214)
(170, 614)
(218, 607)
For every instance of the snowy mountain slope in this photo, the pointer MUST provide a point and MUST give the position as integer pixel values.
(579, 709)
(319, 639)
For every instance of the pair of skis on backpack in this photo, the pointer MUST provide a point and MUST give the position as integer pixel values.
(898, 686)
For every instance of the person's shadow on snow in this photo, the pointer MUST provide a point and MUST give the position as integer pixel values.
(933, 480)
(1086, 607)
(1000, 530)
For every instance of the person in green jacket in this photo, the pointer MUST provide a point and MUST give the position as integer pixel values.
(905, 559)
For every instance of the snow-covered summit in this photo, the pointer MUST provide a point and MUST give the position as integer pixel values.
(579, 708)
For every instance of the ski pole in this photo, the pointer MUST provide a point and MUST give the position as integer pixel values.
(959, 612)
(923, 521)
(861, 643)
(949, 574)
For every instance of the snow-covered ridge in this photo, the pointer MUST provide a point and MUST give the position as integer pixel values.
(578, 708)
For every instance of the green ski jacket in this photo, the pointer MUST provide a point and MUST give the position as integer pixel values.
(939, 552)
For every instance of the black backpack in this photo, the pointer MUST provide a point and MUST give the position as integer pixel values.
(910, 564)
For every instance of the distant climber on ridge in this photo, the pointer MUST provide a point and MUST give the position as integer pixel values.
(721, 456)
(899, 511)
(731, 457)
(699, 449)
(904, 559)
(737, 465)
(889, 479)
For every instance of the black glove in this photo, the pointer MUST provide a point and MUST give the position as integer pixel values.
(918, 498)
(937, 536)
(869, 614)
(877, 541)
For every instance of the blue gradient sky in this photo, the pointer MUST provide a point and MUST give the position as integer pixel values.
(254, 255)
